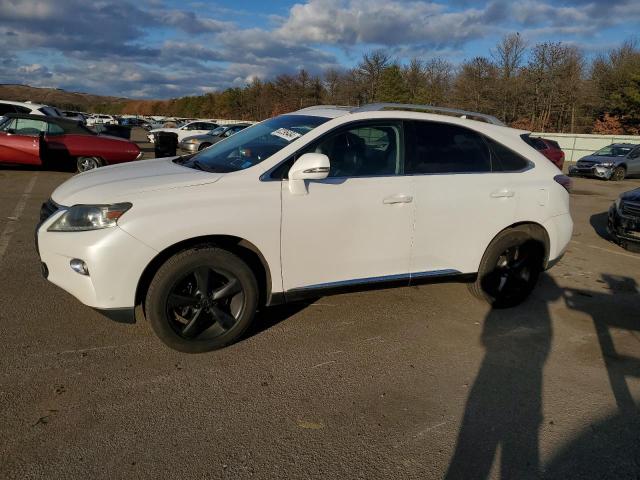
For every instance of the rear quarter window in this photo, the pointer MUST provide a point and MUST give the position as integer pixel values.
(503, 159)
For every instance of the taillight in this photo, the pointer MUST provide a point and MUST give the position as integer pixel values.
(564, 181)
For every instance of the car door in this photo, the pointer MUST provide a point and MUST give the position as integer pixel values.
(20, 141)
(633, 162)
(354, 226)
(460, 204)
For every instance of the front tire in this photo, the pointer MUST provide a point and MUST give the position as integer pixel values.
(618, 174)
(201, 299)
(509, 269)
(203, 146)
(84, 164)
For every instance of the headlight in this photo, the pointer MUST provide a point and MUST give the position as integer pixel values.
(605, 164)
(81, 218)
(191, 140)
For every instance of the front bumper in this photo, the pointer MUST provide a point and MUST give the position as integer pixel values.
(594, 171)
(189, 147)
(115, 261)
(623, 227)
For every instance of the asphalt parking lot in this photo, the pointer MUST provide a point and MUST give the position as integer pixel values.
(421, 382)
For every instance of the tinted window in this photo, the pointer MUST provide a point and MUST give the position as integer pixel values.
(4, 108)
(442, 148)
(362, 151)
(55, 129)
(505, 159)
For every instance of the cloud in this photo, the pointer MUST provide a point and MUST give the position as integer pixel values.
(160, 48)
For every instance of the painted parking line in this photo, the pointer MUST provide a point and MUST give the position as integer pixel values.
(9, 229)
(608, 250)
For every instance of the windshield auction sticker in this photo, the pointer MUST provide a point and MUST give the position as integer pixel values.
(286, 134)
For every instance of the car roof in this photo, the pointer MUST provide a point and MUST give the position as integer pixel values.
(624, 144)
(32, 106)
(69, 125)
(424, 111)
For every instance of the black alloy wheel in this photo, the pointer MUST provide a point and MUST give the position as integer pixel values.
(509, 269)
(206, 303)
(201, 299)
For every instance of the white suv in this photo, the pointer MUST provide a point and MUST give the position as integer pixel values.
(319, 201)
(7, 106)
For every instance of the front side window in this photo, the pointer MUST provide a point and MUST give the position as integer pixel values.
(361, 151)
(434, 148)
(24, 126)
(253, 145)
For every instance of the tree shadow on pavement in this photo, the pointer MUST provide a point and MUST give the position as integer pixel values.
(504, 407)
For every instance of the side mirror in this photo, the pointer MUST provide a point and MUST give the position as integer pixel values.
(310, 166)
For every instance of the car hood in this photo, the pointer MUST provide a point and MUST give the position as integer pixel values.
(117, 183)
(631, 195)
(599, 159)
(202, 136)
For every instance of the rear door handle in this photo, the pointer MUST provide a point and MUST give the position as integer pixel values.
(504, 193)
(400, 198)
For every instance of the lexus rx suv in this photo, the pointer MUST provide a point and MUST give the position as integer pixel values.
(319, 201)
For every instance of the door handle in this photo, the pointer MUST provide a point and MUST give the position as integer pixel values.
(504, 193)
(400, 198)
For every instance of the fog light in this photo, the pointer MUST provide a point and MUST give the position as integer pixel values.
(79, 266)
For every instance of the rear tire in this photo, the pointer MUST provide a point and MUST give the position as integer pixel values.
(618, 174)
(509, 269)
(201, 299)
(84, 164)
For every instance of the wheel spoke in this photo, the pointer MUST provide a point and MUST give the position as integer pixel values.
(202, 279)
(176, 300)
(226, 320)
(198, 324)
(227, 290)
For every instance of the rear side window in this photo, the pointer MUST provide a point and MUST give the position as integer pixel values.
(55, 129)
(434, 148)
(504, 159)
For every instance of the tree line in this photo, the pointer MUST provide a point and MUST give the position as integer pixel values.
(543, 87)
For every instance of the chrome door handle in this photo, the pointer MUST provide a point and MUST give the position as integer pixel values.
(400, 198)
(502, 193)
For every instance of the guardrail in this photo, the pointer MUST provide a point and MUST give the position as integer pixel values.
(576, 146)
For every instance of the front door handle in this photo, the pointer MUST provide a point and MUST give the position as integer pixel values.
(400, 198)
(504, 193)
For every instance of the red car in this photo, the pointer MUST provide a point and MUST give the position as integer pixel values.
(549, 148)
(59, 142)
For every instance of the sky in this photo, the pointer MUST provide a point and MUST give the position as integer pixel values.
(171, 48)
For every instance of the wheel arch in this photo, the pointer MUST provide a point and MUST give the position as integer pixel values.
(537, 232)
(244, 249)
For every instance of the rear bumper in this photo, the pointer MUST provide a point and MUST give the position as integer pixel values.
(560, 230)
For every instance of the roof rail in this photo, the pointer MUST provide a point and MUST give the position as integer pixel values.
(324, 107)
(375, 107)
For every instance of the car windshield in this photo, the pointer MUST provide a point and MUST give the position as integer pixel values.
(613, 151)
(217, 131)
(254, 144)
